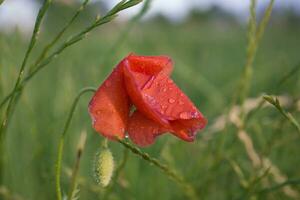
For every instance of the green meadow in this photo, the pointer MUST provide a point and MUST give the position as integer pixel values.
(258, 159)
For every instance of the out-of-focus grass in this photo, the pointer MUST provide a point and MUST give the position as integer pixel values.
(208, 60)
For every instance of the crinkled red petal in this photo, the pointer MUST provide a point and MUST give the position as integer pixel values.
(142, 130)
(109, 107)
(158, 98)
(184, 118)
(139, 72)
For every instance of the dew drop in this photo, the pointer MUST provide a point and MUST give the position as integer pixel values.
(169, 81)
(164, 107)
(171, 100)
(107, 83)
(181, 103)
(164, 89)
(184, 115)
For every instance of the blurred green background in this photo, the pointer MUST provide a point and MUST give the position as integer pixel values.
(209, 53)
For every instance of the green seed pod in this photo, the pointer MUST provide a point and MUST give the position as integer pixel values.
(103, 166)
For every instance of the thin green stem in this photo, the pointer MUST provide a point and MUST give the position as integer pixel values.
(11, 101)
(279, 186)
(73, 40)
(186, 187)
(275, 102)
(294, 71)
(62, 138)
(59, 35)
(255, 34)
(32, 42)
(80, 149)
(125, 32)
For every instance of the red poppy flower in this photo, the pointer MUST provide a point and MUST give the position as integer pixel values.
(139, 98)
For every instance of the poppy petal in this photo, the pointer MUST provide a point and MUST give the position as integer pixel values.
(143, 131)
(184, 118)
(139, 72)
(109, 107)
(150, 65)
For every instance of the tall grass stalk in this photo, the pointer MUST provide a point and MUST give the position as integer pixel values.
(32, 42)
(59, 35)
(73, 40)
(62, 139)
(255, 34)
(11, 102)
(48, 47)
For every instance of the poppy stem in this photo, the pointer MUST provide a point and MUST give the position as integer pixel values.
(186, 187)
(62, 139)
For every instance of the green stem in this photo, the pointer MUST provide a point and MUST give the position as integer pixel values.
(80, 149)
(254, 37)
(275, 102)
(11, 101)
(62, 138)
(186, 187)
(59, 35)
(124, 33)
(279, 186)
(71, 41)
(33, 39)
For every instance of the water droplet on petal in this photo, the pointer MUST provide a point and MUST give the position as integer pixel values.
(195, 114)
(181, 103)
(107, 83)
(169, 81)
(94, 121)
(164, 89)
(184, 115)
(171, 100)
